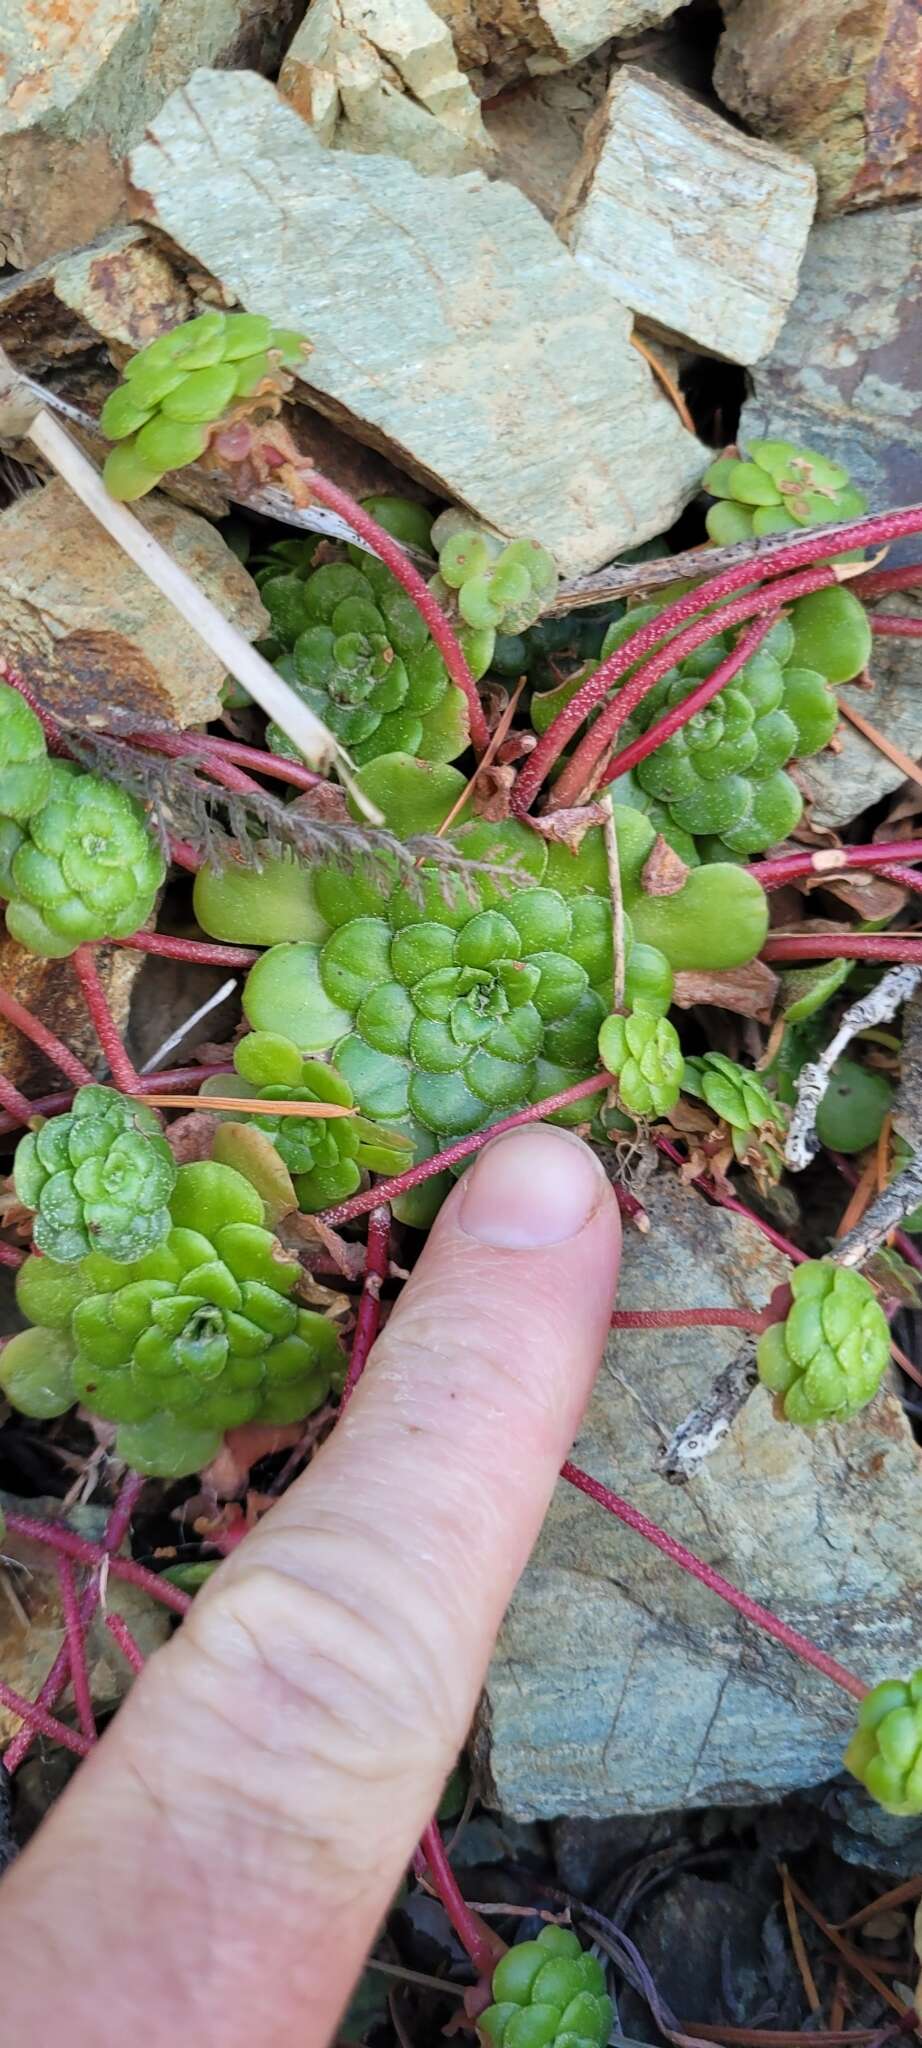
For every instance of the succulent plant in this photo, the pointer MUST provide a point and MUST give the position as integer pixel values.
(776, 488)
(25, 770)
(179, 385)
(325, 1156)
(547, 1994)
(740, 1098)
(455, 1007)
(644, 1053)
(84, 866)
(827, 1359)
(198, 1336)
(494, 587)
(852, 1110)
(99, 1177)
(885, 1752)
(356, 650)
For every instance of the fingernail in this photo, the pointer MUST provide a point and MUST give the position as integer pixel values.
(533, 1187)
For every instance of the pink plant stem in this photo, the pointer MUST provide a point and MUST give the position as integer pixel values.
(94, 996)
(69, 1544)
(14, 1103)
(463, 1148)
(832, 861)
(368, 1317)
(121, 1634)
(178, 1078)
(53, 738)
(483, 1949)
(751, 1319)
(123, 1508)
(593, 747)
(38, 1722)
(881, 582)
(187, 746)
(195, 951)
(680, 714)
(11, 1256)
(889, 946)
(185, 855)
(76, 1647)
(751, 1610)
(714, 1193)
(275, 765)
(905, 878)
(891, 625)
(392, 554)
(39, 1035)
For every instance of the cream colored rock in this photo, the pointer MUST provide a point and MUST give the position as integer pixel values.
(697, 227)
(538, 131)
(382, 76)
(450, 327)
(501, 40)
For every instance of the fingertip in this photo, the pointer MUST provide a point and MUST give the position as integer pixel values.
(532, 1188)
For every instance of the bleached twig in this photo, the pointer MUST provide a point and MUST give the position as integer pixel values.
(877, 1007)
(704, 1429)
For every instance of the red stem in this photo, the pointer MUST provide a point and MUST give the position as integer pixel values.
(193, 950)
(11, 1256)
(94, 996)
(891, 625)
(188, 745)
(751, 1610)
(121, 1634)
(123, 1508)
(178, 1078)
(275, 765)
(392, 554)
(715, 1193)
(751, 1319)
(463, 1148)
(185, 855)
(482, 1947)
(888, 946)
(680, 714)
(38, 1722)
(881, 582)
(368, 1317)
(615, 710)
(39, 1035)
(83, 1551)
(15, 1103)
(832, 861)
(76, 1648)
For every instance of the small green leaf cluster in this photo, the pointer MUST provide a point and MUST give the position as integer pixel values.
(644, 1054)
(777, 488)
(885, 1752)
(99, 1178)
(495, 587)
(739, 1097)
(548, 1993)
(353, 647)
(198, 1336)
(827, 1359)
(454, 1002)
(324, 1156)
(177, 387)
(77, 861)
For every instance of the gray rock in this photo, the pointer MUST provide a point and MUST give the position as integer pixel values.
(449, 325)
(382, 76)
(620, 1685)
(846, 373)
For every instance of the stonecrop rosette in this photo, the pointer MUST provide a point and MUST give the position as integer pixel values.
(99, 1178)
(82, 866)
(463, 998)
(199, 1336)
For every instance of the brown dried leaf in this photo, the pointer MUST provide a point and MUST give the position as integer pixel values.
(349, 1259)
(749, 991)
(191, 1137)
(868, 895)
(664, 873)
(492, 793)
(327, 800)
(569, 827)
(690, 1118)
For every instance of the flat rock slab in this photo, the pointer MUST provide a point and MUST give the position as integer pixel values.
(450, 327)
(666, 208)
(84, 627)
(382, 75)
(620, 1685)
(839, 84)
(845, 375)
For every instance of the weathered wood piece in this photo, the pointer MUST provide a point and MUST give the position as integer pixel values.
(698, 228)
(840, 84)
(449, 326)
(382, 76)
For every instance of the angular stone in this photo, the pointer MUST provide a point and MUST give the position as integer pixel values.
(501, 40)
(49, 988)
(32, 1624)
(845, 375)
(80, 84)
(666, 208)
(839, 84)
(121, 288)
(842, 785)
(94, 639)
(381, 76)
(619, 1684)
(538, 130)
(450, 327)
